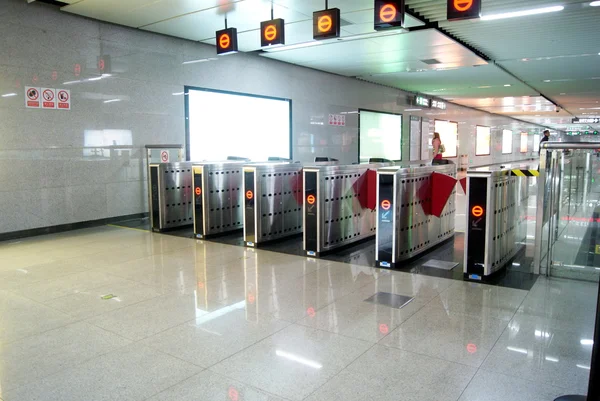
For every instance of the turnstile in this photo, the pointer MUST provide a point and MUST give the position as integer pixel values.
(218, 197)
(336, 211)
(406, 226)
(170, 186)
(272, 201)
(496, 222)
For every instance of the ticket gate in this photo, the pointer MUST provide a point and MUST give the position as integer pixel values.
(170, 186)
(218, 197)
(497, 216)
(407, 224)
(272, 202)
(336, 206)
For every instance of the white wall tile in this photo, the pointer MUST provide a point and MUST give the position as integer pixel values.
(48, 178)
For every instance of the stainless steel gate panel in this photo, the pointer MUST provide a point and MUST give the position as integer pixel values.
(272, 201)
(335, 212)
(497, 212)
(405, 225)
(171, 195)
(218, 197)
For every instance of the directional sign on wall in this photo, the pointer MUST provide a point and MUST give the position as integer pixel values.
(463, 9)
(589, 120)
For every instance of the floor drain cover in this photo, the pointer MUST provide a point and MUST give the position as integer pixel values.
(388, 299)
(440, 264)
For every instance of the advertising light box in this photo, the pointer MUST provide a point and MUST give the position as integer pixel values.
(483, 141)
(507, 142)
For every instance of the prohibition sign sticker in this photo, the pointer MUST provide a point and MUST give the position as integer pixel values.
(64, 99)
(48, 98)
(32, 97)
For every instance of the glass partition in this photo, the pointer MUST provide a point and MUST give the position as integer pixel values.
(568, 213)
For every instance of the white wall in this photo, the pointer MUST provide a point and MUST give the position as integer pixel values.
(47, 178)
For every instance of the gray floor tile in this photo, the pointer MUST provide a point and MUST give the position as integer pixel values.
(352, 316)
(216, 336)
(539, 350)
(448, 335)
(209, 386)
(489, 386)
(385, 373)
(293, 362)
(24, 361)
(21, 317)
(150, 317)
(89, 303)
(127, 374)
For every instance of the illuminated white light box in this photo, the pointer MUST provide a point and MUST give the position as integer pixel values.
(524, 144)
(536, 142)
(229, 124)
(507, 142)
(380, 135)
(448, 131)
(483, 141)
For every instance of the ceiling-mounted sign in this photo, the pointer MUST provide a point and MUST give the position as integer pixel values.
(590, 120)
(272, 33)
(227, 41)
(463, 9)
(422, 101)
(429, 103)
(438, 104)
(32, 97)
(389, 14)
(577, 133)
(326, 24)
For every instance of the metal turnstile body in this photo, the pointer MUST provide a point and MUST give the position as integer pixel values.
(170, 195)
(405, 225)
(335, 206)
(272, 202)
(218, 197)
(496, 220)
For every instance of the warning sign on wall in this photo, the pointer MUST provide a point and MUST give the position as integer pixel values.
(337, 119)
(164, 156)
(48, 98)
(32, 97)
(63, 96)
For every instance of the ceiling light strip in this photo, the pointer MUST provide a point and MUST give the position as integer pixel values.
(523, 13)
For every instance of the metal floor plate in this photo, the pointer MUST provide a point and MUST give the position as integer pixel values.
(440, 264)
(391, 300)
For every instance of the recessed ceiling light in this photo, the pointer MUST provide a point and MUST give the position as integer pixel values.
(563, 93)
(595, 3)
(514, 14)
(547, 80)
(507, 85)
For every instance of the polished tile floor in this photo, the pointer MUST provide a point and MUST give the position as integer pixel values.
(122, 314)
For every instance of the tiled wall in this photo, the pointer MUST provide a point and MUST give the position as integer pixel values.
(47, 175)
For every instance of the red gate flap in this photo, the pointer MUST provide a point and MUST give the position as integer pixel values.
(442, 186)
(372, 189)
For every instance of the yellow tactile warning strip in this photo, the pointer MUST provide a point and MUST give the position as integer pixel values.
(128, 228)
(525, 173)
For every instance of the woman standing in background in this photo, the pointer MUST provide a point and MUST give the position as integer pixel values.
(438, 148)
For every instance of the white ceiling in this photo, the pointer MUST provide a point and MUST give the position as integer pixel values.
(556, 54)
